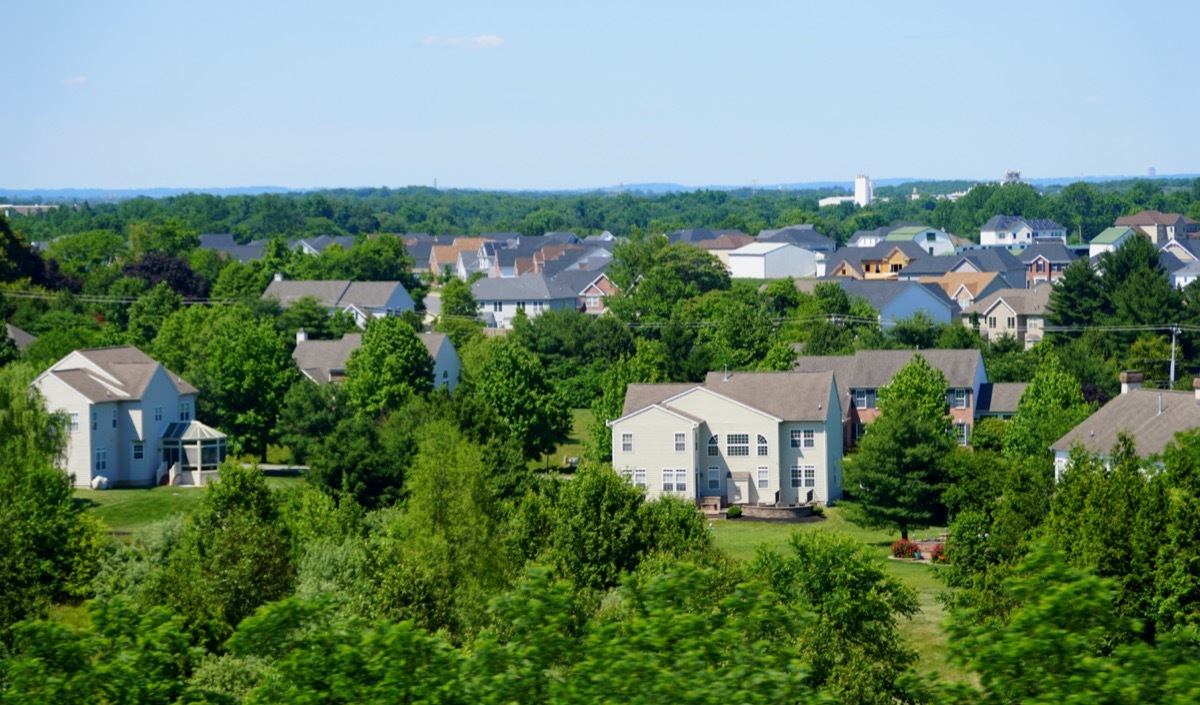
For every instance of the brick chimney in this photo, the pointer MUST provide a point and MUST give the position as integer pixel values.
(1130, 380)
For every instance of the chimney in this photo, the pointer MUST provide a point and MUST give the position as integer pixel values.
(301, 335)
(1130, 380)
(278, 276)
(1196, 387)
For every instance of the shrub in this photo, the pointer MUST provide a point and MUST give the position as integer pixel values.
(733, 512)
(937, 554)
(818, 510)
(904, 548)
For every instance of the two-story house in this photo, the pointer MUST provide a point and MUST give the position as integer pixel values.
(1045, 262)
(362, 300)
(324, 361)
(883, 261)
(499, 299)
(1020, 313)
(591, 286)
(1159, 227)
(860, 377)
(931, 240)
(745, 438)
(1110, 239)
(130, 420)
(1009, 230)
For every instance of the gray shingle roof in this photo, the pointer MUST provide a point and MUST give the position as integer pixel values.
(999, 397)
(527, 287)
(127, 372)
(802, 235)
(786, 395)
(857, 255)
(333, 294)
(321, 360)
(991, 259)
(871, 369)
(578, 279)
(19, 337)
(1024, 302)
(1136, 413)
(1051, 251)
(880, 292)
(1012, 222)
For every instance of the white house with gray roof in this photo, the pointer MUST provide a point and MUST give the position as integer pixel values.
(743, 438)
(500, 298)
(1010, 230)
(130, 420)
(324, 361)
(362, 300)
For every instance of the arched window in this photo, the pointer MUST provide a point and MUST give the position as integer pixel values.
(762, 445)
(714, 446)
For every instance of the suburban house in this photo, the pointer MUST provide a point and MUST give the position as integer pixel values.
(314, 246)
(883, 261)
(590, 286)
(362, 300)
(130, 420)
(1109, 239)
(999, 400)
(987, 259)
(19, 337)
(930, 240)
(225, 244)
(860, 376)
(772, 260)
(1151, 417)
(897, 300)
(1186, 250)
(443, 256)
(1020, 313)
(324, 361)
(1009, 230)
(1045, 262)
(965, 288)
(741, 438)
(805, 236)
(1159, 227)
(500, 298)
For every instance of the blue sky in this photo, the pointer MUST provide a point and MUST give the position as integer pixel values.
(557, 95)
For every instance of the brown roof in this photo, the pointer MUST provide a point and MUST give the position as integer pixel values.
(1149, 218)
(1024, 302)
(1136, 413)
(975, 282)
(789, 396)
(124, 373)
(872, 369)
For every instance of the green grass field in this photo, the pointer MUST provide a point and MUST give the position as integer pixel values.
(572, 447)
(127, 510)
(923, 632)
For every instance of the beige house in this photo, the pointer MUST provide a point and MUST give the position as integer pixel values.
(747, 438)
(1159, 227)
(324, 361)
(130, 421)
(1020, 313)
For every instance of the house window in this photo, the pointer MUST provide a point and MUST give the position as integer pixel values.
(537, 306)
(74, 421)
(1012, 322)
(896, 267)
(498, 306)
(101, 459)
(859, 430)
(810, 438)
(593, 302)
(930, 237)
(796, 477)
(864, 398)
(521, 305)
(94, 416)
(737, 444)
(158, 413)
(796, 438)
(139, 451)
(810, 475)
(185, 411)
(680, 442)
(763, 449)
(681, 480)
(714, 446)
(764, 477)
(639, 477)
(714, 477)
(668, 480)
(626, 442)
(963, 432)
(114, 418)
(960, 398)
(991, 321)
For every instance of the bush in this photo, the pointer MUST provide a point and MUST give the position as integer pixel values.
(818, 510)
(937, 554)
(904, 548)
(733, 512)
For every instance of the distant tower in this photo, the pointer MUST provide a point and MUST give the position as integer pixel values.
(1011, 176)
(915, 195)
(1151, 172)
(863, 190)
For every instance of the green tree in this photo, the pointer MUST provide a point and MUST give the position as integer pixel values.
(898, 473)
(171, 236)
(80, 254)
(597, 535)
(310, 412)
(391, 366)
(1050, 406)
(515, 389)
(647, 365)
(1077, 299)
(147, 314)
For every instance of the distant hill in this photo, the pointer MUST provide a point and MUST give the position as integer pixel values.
(99, 194)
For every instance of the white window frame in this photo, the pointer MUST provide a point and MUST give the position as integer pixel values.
(764, 448)
(796, 475)
(962, 433)
(101, 460)
(158, 413)
(668, 479)
(680, 442)
(681, 480)
(960, 398)
(860, 398)
(796, 437)
(714, 445)
(74, 421)
(185, 411)
(498, 307)
(626, 442)
(810, 438)
(139, 451)
(735, 447)
(810, 475)
(714, 477)
(639, 477)
(763, 475)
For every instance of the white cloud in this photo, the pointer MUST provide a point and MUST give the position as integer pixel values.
(74, 81)
(482, 41)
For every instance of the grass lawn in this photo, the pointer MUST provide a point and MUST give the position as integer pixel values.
(570, 448)
(127, 510)
(923, 632)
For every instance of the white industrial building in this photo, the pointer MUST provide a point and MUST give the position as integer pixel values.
(772, 260)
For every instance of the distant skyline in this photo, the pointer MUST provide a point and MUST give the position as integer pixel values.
(560, 96)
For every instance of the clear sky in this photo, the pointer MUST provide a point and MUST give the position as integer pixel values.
(562, 94)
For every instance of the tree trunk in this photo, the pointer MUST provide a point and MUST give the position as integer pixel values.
(904, 533)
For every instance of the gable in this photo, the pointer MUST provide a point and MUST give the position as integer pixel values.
(966, 265)
(1002, 304)
(705, 403)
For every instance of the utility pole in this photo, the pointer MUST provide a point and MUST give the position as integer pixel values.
(1174, 332)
